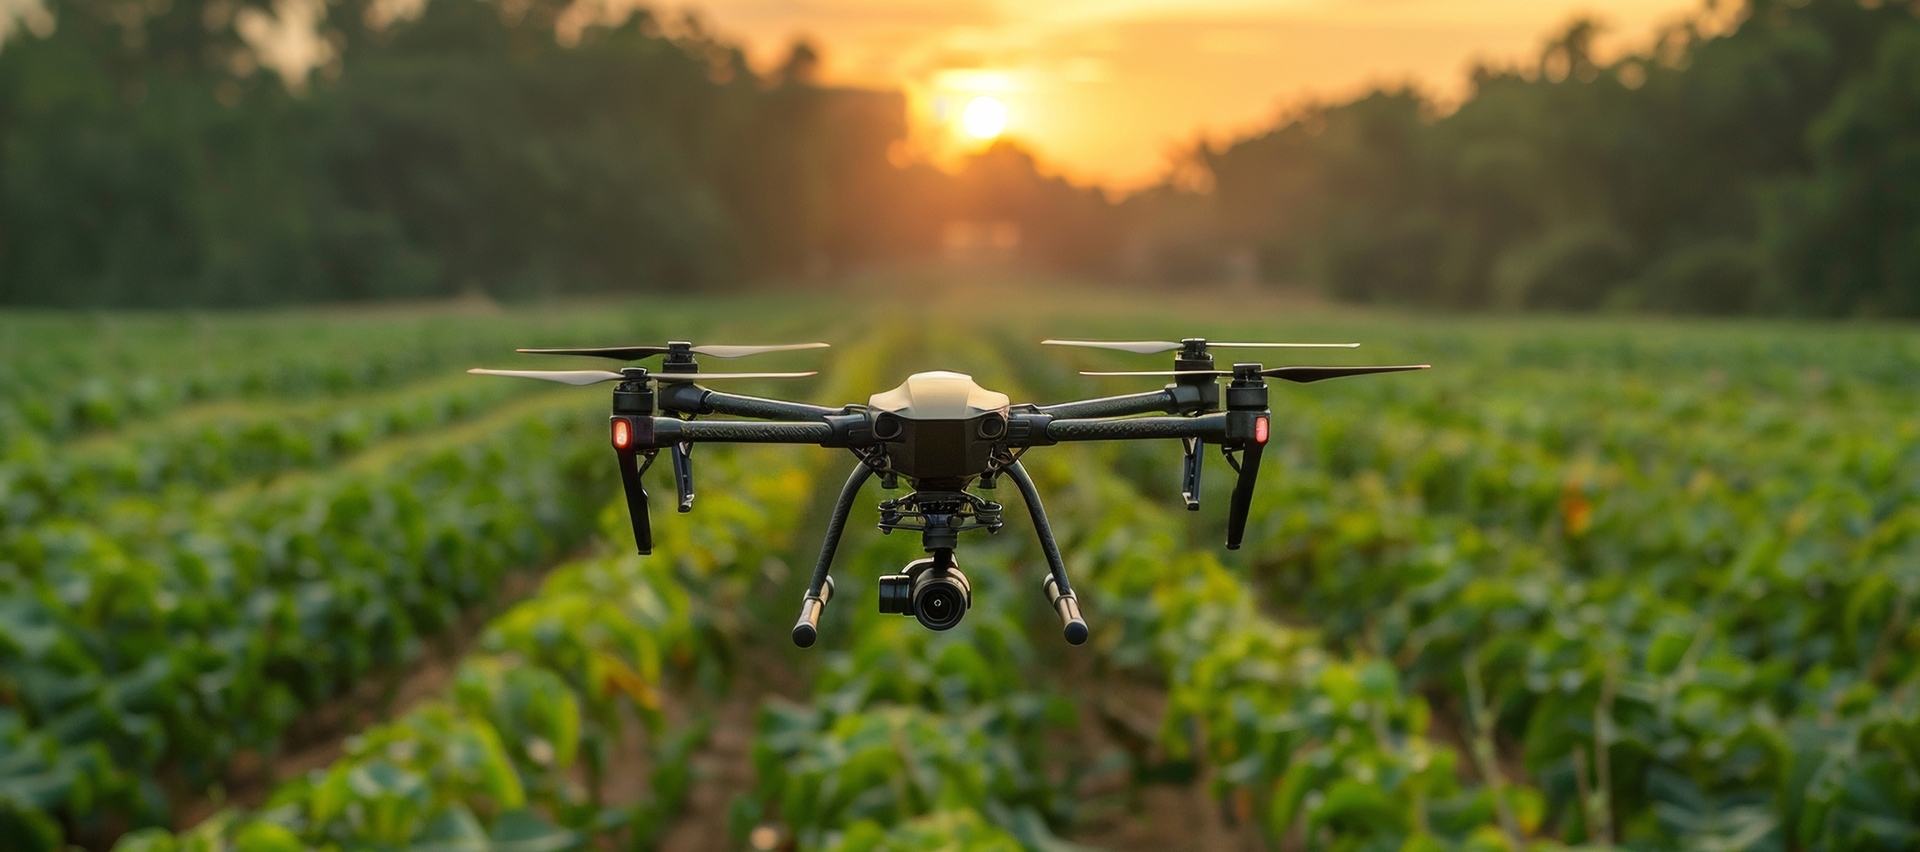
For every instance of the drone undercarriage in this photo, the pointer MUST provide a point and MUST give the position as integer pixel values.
(944, 434)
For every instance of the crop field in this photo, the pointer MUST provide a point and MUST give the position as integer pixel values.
(273, 583)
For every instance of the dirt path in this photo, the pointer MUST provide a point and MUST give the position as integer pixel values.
(722, 769)
(1151, 802)
(723, 766)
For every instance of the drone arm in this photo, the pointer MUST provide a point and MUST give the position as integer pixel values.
(686, 398)
(1242, 428)
(667, 431)
(1059, 591)
(1212, 428)
(820, 589)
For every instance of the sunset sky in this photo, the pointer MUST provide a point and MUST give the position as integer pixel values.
(1103, 90)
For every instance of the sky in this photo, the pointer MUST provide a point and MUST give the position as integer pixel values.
(1106, 91)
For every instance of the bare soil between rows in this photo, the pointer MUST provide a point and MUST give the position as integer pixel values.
(319, 737)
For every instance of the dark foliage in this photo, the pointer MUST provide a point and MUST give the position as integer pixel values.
(1770, 168)
(146, 161)
(484, 146)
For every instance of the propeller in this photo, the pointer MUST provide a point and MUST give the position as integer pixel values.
(635, 353)
(1291, 374)
(1149, 347)
(589, 377)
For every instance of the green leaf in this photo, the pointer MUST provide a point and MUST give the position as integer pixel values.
(523, 830)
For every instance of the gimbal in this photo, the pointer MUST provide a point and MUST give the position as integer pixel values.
(945, 435)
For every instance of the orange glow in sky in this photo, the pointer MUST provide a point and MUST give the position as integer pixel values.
(1103, 90)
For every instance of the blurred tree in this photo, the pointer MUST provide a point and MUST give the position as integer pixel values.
(1061, 226)
(145, 159)
(1650, 182)
(504, 146)
(1846, 239)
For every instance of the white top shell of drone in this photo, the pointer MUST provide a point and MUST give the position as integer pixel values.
(939, 395)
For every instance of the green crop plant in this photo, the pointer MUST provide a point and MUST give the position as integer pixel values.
(909, 734)
(940, 831)
(177, 459)
(199, 633)
(63, 376)
(514, 756)
(1684, 601)
(1667, 610)
(1591, 583)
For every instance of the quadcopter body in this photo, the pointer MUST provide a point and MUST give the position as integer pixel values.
(946, 436)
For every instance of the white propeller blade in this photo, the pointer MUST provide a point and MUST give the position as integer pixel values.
(566, 377)
(589, 377)
(1300, 374)
(721, 351)
(1211, 344)
(1138, 347)
(701, 377)
(1149, 347)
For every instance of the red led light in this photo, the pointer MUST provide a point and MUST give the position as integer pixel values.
(623, 433)
(1259, 430)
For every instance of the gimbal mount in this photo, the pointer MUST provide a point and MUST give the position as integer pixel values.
(945, 435)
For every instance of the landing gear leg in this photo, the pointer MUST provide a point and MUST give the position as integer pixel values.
(1059, 592)
(820, 590)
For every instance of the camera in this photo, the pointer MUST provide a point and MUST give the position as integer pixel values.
(932, 590)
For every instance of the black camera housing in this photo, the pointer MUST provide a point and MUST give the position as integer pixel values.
(931, 590)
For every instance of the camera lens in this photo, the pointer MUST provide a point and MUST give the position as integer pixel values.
(940, 598)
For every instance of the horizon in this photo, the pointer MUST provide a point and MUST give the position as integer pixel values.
(1105, 93)
(1110, 93)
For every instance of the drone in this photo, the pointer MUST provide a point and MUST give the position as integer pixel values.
(947, 436)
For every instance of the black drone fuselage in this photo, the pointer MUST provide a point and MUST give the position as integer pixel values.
(945, 435)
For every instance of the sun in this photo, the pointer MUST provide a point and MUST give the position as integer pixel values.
(984, 117)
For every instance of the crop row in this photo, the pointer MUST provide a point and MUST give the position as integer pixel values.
(551, 706)
(1695, 629)
(918, 741)
(168, 637)
(1316, 746)
(1671, 613)
(1582, 607)
(958, 740)
(176, 461)
(62, 375)
(528, 749)
(907, 731)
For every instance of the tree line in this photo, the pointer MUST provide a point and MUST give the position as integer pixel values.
(146, 159)
(1769, 166)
